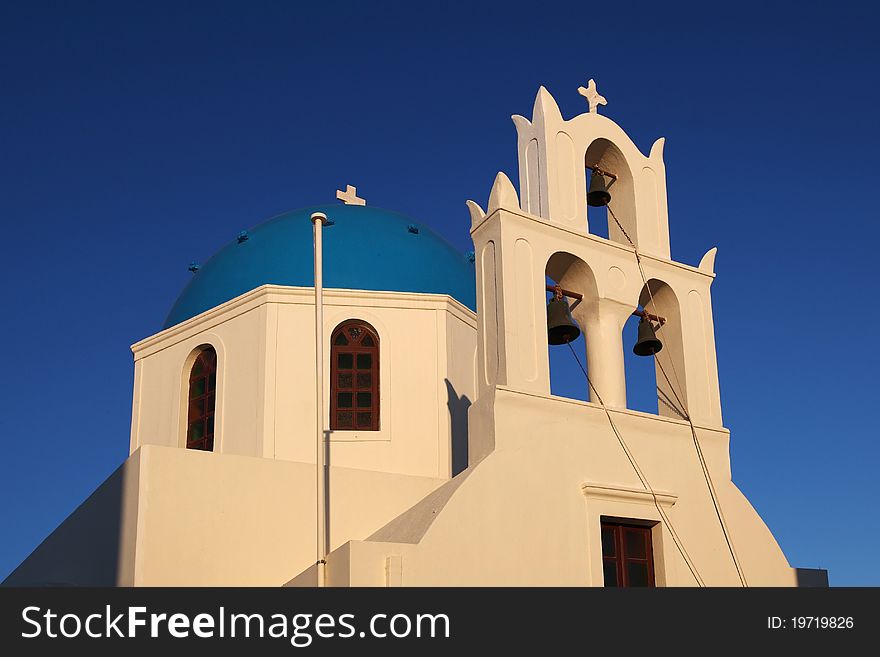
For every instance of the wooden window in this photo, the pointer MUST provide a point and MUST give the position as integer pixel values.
(202, 386)
(627, 556)
(354, 377)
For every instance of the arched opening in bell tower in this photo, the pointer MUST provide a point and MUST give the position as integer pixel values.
(573, 276)
(604, 158)
(657, 384)
(659, 299)
(641, 385)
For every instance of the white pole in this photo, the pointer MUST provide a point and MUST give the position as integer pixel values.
(318, 221)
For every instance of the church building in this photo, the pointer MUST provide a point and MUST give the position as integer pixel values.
(440, 458)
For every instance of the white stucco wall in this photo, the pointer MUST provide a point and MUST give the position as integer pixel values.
(556, 470)
(178, 517)
(266, 369)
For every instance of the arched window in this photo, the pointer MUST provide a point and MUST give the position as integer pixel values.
(202, 385)
(354, 377)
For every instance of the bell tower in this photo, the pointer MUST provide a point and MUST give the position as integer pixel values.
(522, 240)
(553, 157)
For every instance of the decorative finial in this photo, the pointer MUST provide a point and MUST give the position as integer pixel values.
(349, 196)
(593, 98)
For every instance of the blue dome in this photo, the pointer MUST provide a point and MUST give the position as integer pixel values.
(366, 249)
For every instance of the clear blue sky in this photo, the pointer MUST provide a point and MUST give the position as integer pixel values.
(137, 137)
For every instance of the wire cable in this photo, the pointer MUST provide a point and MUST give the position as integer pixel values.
(705, 468)
(665, 519)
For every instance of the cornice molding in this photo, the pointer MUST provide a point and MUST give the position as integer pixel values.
(625, 493)
(282, 294)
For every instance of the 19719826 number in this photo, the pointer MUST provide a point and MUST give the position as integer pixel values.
(810, 622)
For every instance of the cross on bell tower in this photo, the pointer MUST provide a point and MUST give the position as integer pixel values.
(594, 99)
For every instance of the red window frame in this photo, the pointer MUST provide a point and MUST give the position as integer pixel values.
(354, 377)
(201, 401)
(627, 548)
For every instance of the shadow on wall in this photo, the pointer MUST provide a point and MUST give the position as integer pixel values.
(87, 548)
(458, 412)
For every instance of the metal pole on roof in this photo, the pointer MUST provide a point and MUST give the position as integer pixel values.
(318, 220)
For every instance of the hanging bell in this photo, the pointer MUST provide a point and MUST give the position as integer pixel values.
(561, 327)
(648, 343)
(598, 194)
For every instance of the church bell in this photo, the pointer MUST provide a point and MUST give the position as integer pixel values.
(648, 343)
(561, 327)
(598, 194)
